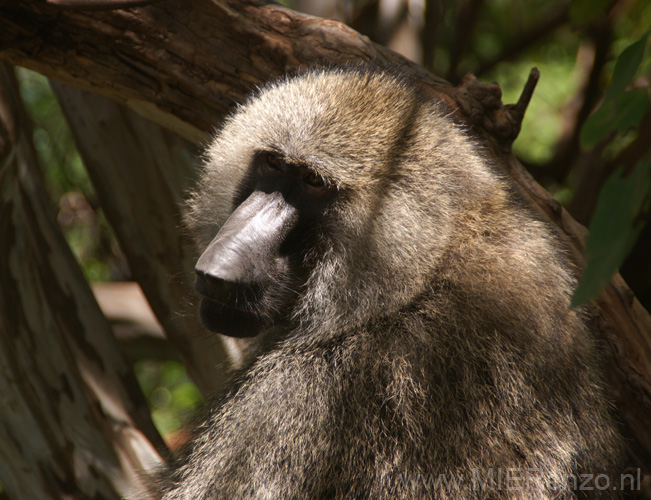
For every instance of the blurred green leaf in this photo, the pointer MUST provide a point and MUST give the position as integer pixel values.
(613, 230)
(173, 397)
(620, 109)
(586, 11)
(631, 108)
(619, 113)
(626, 67)
(599, 124)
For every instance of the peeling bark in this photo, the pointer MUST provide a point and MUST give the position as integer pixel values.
(74, 423)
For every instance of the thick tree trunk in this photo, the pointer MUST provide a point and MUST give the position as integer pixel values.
(73, 423)
(140, 172)
(184, 65)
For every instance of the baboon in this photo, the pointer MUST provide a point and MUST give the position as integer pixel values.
(413, 331)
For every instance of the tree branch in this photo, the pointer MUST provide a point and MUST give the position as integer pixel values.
(182, 64)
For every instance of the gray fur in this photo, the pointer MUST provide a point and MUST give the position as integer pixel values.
(433, 334)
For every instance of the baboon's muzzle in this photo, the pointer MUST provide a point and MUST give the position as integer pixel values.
(240, 263)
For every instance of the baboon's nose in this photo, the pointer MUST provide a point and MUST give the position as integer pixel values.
(243, 255)
(215, 288)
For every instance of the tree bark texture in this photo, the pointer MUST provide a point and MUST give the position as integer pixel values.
(73, 420)
(184, 65)
(140, 172)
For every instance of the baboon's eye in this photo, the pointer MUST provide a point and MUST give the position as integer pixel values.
(314, 180)
(273, 160)
(316, 186)
(272, 164)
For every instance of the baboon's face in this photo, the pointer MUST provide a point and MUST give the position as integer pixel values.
(253, 271)
(325, 201)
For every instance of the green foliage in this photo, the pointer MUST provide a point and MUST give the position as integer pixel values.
(621, 109)
(616, 222)
(614, 229)
(63, 169)
(617, 114)
(173, 397)
(585, 11)
(626, 67)
(83, 225)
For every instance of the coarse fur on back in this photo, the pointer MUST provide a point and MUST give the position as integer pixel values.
(419, 342)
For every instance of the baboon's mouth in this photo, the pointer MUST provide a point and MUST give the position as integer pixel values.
(218, 317)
